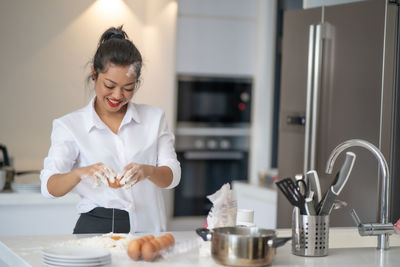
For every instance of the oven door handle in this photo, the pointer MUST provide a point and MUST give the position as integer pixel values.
(222, 155)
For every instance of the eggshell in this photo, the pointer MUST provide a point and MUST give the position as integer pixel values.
(163, 241)
(148, 251)
(134, 249)
(115, 184)
(147, 237)
(157, 245)
(171, 238)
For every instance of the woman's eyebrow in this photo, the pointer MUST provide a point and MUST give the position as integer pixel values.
(116, 83)
(110, 80)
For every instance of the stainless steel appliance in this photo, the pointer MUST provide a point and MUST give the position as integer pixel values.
(212, 138)
(214, 100)
(339, 81)
(209, 157)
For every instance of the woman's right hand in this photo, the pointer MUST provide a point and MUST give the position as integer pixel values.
(97, 172)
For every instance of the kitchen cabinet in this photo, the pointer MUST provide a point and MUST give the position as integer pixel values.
(216, 38)
(261, 199)
(32, 214)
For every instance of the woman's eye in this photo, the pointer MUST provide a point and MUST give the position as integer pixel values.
(109, 86)
(128, 89)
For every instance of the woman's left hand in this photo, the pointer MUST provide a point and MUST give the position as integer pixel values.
(133, 173)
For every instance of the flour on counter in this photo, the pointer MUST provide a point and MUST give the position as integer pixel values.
(115, 243)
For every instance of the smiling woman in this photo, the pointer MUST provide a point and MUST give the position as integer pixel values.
(113, 139)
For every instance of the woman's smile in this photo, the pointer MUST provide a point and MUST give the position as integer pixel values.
(113, 102)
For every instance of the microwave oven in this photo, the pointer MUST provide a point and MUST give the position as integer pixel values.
(214, 100)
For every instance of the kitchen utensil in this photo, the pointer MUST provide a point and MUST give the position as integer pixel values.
(242, 246)
(345, 172)
(310, 208)
(326, 205)
(299, 177)
(339, 204)
(291, 190)
(313, 184)
(310, 235)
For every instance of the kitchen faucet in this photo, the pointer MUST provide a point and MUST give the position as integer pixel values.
(382, 229)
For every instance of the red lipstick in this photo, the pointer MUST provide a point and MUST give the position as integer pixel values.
(112, 104)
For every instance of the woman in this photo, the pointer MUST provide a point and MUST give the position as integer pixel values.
(109, 139)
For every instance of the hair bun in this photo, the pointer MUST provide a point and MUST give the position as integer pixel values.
(117, 36)
(113, 33)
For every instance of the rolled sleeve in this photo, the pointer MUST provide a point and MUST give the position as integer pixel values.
(166, 153)
(62, 155)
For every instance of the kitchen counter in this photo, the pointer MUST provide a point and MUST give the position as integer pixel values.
(347, 248)
(45, 216)
(9, 197)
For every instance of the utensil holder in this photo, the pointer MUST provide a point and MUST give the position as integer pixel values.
(310, 235)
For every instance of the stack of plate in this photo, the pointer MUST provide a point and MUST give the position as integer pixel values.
(25, 188)
(76, 256)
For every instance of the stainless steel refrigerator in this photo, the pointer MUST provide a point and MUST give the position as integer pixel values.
(339, 82)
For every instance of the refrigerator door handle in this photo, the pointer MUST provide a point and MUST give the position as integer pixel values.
(319, 33)
(310, 69)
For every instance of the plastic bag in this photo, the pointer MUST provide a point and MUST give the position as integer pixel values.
(224, 210)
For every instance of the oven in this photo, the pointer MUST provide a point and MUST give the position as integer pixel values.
(212, 138)
(208, 161)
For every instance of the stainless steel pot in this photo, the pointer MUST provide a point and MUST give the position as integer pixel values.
(242, 246)
(7, 170)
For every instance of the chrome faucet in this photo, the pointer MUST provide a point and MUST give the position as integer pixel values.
(382, 229)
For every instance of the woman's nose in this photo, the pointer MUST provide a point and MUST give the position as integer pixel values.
(117, 94)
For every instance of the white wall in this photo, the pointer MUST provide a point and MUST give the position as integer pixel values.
(263, 96)
(45, 47)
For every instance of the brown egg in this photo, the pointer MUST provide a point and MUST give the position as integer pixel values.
(163, 241)
(115, 184)
(141, 241)
(156, 244)
(147, 237)
(134, 249)
(170, 237)
(148, 251)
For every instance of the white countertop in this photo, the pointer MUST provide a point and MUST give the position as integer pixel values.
(9, 197)
(347, 248)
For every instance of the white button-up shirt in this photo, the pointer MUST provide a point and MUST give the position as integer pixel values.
(81, 139)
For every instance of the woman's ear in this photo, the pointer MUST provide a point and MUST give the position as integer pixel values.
(93, 73)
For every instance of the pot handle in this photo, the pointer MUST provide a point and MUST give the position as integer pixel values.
(27, 172)
(278, 241)
(204, 233)
(6, 160)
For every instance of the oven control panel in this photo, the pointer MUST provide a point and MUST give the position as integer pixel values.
(185, 142)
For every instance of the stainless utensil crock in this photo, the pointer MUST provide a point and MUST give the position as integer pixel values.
(242, 246)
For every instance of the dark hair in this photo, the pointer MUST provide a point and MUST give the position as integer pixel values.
(115, 47)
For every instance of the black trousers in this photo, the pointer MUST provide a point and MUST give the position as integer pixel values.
(99, 221)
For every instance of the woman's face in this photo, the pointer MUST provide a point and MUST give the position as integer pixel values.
(114, 88)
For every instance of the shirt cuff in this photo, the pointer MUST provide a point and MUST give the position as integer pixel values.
(176, 172)
(44, 178)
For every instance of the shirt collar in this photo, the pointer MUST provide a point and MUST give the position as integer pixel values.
(131, 114)
(95, 121)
